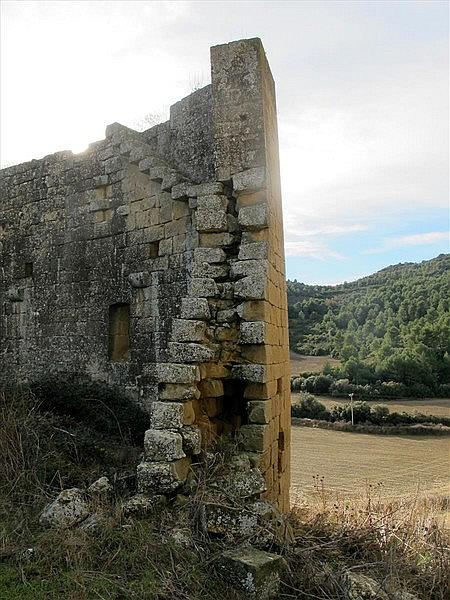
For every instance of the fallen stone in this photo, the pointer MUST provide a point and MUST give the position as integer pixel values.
(101, 487)
(142, 505)
(253, 571)
(94, 523)
(230, 521)
(361, 587)
(181, 537)
(67, 510)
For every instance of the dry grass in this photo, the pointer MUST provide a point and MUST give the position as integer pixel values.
(301, 363)
(350, 461)
(398, 542)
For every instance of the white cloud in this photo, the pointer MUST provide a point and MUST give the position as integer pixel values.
(362, 93)
(311, 249)
(416, 239)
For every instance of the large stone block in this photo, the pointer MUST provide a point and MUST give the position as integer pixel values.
(252, 332)
(162, 445)
(185, 330)
(253, 571)
(210, 220)
(177, 391)
(254, 438)
(259, 411)
(242, 484)
(211, 255)
(254, 251)
(169, 415)
(162, 477)
(189, 352)
(174, 373)
(192, 440)
(195, 308)
(203, 287)
(251, 288)
(254, 217)
(251, 180)
(255, 268)
(251, 372)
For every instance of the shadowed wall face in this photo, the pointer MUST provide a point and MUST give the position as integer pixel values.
(155, 261)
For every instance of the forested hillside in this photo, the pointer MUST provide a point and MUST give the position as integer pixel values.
(393, 325)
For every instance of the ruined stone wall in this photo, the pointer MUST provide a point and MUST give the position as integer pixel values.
(155, 261)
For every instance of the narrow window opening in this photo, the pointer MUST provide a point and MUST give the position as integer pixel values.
(119, 332)
(279, 385)
(102, 191)
(28, 269)
(154, 249)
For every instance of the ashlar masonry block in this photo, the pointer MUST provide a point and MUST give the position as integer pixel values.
(163, 445)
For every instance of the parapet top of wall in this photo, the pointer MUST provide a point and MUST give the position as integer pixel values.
(218, 130)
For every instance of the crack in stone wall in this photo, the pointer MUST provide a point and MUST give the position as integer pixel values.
(181, 226)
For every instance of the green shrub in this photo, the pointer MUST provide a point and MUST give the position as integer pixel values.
(309, 408)
(318, 384)
(98, 405)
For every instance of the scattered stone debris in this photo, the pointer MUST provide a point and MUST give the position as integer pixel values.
(142, 505)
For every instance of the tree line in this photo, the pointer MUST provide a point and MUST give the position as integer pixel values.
(391, 330)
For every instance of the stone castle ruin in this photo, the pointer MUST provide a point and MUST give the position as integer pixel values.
(154, 261)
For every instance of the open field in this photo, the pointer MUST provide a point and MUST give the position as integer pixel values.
(348, 462)
(439, 407)
(315, 364)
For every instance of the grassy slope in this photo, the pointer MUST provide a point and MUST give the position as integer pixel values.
(137, 560)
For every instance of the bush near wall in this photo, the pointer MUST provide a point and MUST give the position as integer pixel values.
(310, 408)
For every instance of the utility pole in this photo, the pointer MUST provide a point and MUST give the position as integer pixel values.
(351, 406)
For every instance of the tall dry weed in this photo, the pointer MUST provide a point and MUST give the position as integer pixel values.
(402, 542)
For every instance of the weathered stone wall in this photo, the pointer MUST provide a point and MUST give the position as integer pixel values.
(155, 261)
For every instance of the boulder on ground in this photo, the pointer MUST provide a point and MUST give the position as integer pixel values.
(361, 587)
(68, 509)
(252, 571)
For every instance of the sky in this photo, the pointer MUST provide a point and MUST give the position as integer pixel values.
(362, 94)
